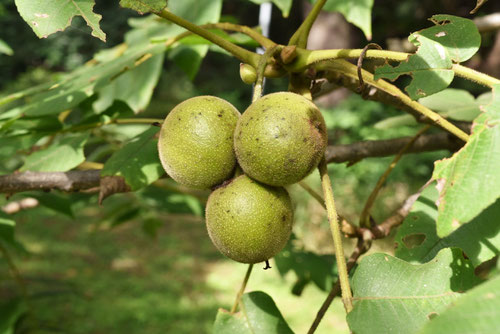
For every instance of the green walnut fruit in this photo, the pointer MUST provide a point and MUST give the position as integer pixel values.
(196, 142)
(249, 221)
(280, 138)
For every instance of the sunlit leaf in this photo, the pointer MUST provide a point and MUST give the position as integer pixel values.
(137, 161)
(458, 35)
(430, 68)
(478, 311)
(47, 17)
(357, 12)
(258, 314)
(5, 48)
(469, 180)
(135, 87)
(64, 154)
(393, 296)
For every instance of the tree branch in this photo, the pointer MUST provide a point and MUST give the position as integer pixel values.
(65, 181)
(351, 153)
(382, 148)
(358, 251)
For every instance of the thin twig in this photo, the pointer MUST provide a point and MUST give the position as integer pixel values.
(358, 251)
(313, 193)
(258, 87)
(418, 110)
(242, 288)
(365, 213)
(337, 237)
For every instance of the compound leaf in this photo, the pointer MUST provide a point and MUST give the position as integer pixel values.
(47, 17)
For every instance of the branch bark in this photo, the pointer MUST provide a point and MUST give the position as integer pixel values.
(65, 181)
(382, 148)
(91, 179)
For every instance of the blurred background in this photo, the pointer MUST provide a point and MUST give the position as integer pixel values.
(142, 262)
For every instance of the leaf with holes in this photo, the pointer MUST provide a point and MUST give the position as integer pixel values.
(144, 6)
(478, 311)
(418, 242)
(394, 296)
(258, 314)
(430, 67)
(137, 161)
(65, 154)
(469, 181)
(459, 36)
(48, 17)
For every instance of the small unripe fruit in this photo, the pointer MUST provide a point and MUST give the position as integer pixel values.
(249, 221)
(248, 74)
(196, 142)
(280, 138)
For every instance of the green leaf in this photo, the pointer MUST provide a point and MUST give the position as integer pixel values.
(458, 35)
(6, 228)
(135, 87)
(82, 83)
(170, 201)
(308, 266)
(357, 12)
(393, 296)
(457, 104)
(476, 312)
(258, 314)
(137, 161)
(417, 240)
(5, 48)
(283, 5)
(188, 58)
(47, 17)
(144, 6)
(451, 103)
(61, 156)
(469, 181)
(55, 202)
(10, 312)
(430, 67)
